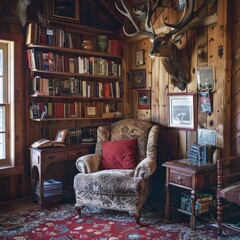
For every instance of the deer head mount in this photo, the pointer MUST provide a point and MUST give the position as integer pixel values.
(175, 61)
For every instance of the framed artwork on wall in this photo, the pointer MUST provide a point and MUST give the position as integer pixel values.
(206, 136)
(138, 78)
(182, 110)
(139, 58)
(64, 10)
(144, 99)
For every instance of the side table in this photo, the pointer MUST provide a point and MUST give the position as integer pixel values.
(42, 158)
(188, 175)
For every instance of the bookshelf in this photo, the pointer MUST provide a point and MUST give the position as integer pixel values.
(66, 82)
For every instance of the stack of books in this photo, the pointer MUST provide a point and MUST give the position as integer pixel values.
(52, 188)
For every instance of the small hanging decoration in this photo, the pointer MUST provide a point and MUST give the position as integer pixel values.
(220, 51)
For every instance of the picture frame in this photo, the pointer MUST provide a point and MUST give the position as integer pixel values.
(67, 10)
(91, 110)
(205, 78)
(61, 135)
(139, 58)
(144, 99)
(206, 136)
(138, 78)
(182, 110)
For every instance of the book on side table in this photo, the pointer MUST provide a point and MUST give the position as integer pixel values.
(58, 142)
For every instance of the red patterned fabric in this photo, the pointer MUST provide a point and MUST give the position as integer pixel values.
(120, 154)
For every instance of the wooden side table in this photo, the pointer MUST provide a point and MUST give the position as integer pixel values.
(42, 158)
(188, 175)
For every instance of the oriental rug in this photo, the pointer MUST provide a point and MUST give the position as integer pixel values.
(62, 222)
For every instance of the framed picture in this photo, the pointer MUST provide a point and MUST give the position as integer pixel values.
(205, 78)
(144, 99)
(138, 78)
(182, 110)
(139, 58)
(61, 135)
(206, 136)
(65, 10)
(91, 110)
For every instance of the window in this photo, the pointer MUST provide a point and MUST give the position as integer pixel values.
(6, 103)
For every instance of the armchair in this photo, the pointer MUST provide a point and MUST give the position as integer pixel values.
(228, 185)
(123, 184)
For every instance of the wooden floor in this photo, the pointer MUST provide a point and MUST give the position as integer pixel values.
(15, 205)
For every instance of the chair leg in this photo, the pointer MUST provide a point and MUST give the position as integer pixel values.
(79, 210)
(219, 215)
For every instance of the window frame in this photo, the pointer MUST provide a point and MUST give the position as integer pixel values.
(16, 162)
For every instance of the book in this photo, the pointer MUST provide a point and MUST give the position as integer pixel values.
(58, 142)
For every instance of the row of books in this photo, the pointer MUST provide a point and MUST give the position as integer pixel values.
(50, 61)
(204, 202)
(38, 34)
(75, 87)
(52, 188)
(68, 110)
(81, 135)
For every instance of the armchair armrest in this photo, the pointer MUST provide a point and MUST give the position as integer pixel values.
(88, 163)
(145, 168)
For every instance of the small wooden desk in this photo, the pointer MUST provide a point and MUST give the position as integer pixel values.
(42, 158)
(188, 175)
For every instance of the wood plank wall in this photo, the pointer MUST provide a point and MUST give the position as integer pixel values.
(235, 79)
(201, 44)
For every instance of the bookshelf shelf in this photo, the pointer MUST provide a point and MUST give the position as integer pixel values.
(64, 78)
(75, 74)
(73, 119)
(74, 51)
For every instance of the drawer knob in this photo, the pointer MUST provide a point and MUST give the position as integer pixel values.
(179, 179)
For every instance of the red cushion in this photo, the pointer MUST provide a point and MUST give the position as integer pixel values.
(120, 154)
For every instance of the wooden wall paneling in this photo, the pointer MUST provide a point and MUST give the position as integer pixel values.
(235, 81)
(221, 105)
(192, 86)
(155, 101)
(235, 88)
(126, 81)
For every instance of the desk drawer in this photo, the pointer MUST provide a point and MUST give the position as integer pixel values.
(54, 156)
(181, 179)
(75, 153)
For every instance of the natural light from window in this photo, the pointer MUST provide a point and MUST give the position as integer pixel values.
(6, 103)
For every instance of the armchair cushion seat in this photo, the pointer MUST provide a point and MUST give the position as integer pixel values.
(109, 182)
(231, 193)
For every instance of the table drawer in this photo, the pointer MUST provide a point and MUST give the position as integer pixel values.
(181, 178)
(54, 156)
(75, 153)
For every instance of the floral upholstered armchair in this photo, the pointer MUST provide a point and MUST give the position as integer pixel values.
(118, 175)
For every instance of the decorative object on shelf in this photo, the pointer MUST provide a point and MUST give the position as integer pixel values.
(116, 46)
(181, 110)
(87, 45)
(139, 58)
(91, 110)
(205, 78)
(138, 78)
(102, 43)
(67, 10)
(144, 99)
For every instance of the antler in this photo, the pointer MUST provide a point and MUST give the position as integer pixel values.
(148, 31)
(184, 20)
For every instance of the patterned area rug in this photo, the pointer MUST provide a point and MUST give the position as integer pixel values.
(62, 222)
